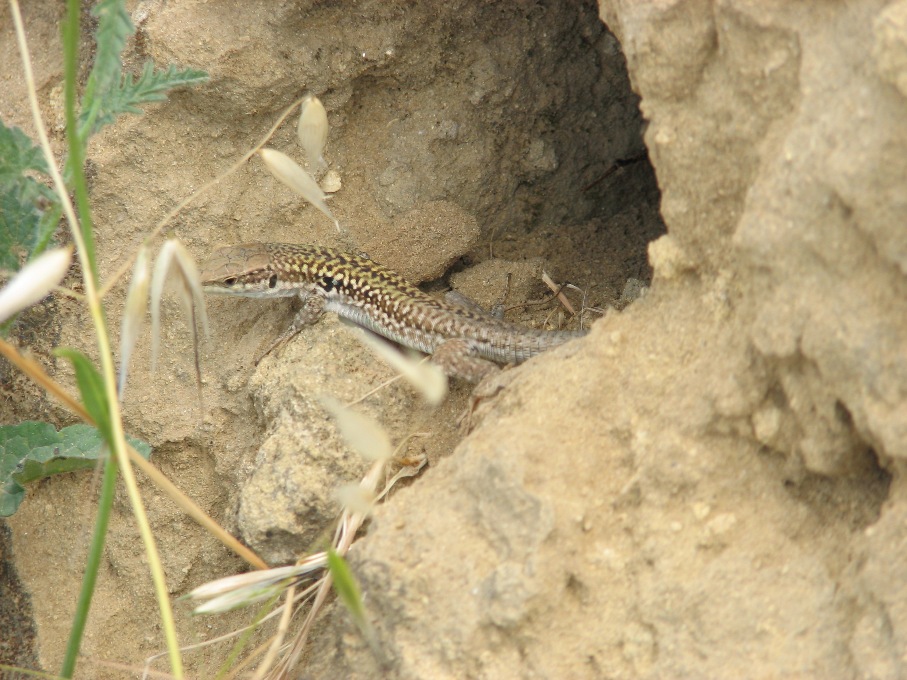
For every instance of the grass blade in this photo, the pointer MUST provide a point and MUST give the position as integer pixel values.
(92, 566)
(91, 387)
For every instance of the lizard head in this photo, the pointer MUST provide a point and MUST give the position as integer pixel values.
(245, 270)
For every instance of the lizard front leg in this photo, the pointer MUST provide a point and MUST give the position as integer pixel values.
(311, 310)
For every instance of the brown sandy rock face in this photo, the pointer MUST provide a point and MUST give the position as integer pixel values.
(463, 135)
(706, 493)
(700, 488)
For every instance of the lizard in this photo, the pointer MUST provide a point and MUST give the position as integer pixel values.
(464, 341)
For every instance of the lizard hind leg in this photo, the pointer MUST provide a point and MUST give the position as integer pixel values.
(456, 359)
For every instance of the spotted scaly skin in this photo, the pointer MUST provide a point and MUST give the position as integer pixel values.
(377, 298)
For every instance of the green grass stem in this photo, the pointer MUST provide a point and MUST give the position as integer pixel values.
(76, 145)
(92, 565)
(108, 372)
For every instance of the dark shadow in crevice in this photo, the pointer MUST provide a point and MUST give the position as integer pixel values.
(18, 642)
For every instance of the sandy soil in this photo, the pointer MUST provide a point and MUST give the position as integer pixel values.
(706, 486)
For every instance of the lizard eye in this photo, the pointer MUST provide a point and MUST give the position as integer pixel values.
(230, 280)
(272, 282)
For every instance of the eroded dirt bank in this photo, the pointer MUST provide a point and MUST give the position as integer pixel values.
(706, 486)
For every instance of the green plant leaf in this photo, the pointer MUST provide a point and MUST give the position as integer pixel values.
(29, 211)
(114, 28)
(47, 225)
(108, 93)
(20, 221)
(151, 86)
(33, 450)
(18, 153)
(91, 387)
(346, 586)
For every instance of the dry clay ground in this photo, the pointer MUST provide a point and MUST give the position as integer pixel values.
(708, 485)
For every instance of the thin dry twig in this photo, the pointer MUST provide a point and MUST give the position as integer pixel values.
(189, 506)
(127, 264)
(345, 533)
(582, 307)
(254, 654)
(129, 668)
(118, 436)
(380, 387)
(558, 291)
(298, 600)
(279, 636)
(59, 184)
(374, 390)
(614, 167)
(36, 372)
